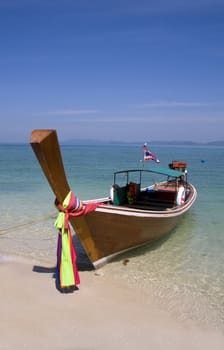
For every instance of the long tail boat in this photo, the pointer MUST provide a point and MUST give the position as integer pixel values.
(132, 215)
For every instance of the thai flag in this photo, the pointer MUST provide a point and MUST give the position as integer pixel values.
(149, 155)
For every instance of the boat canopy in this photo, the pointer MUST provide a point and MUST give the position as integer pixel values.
(156, 170)
(166, 171)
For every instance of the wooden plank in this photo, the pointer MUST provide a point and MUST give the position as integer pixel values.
(46, 148)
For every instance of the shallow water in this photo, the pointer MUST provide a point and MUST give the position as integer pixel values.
(183, 272)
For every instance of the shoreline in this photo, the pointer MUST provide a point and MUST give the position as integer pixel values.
(102, 311)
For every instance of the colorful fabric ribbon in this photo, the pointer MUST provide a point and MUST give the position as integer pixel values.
(67, 272)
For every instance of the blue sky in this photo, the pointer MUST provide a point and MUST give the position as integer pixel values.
(127, 70)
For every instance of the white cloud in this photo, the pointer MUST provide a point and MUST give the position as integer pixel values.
(171, 104)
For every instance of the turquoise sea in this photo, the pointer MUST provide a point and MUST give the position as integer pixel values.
(183, 273)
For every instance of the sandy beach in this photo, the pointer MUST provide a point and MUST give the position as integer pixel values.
(101, 314)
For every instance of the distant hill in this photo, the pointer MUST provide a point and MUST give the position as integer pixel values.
(90, 142)
(216, 143)
(156, 142)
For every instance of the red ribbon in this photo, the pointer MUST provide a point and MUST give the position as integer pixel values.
(72, 211)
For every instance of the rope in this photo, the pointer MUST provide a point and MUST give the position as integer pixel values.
(28, 223)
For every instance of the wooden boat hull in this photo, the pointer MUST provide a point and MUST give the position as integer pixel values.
(110, 229)
(117, 234)
(117, 229)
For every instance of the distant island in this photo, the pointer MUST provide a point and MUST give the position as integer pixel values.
(92, 142)
(155, 142)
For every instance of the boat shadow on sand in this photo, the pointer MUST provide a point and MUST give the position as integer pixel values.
(84, 264)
